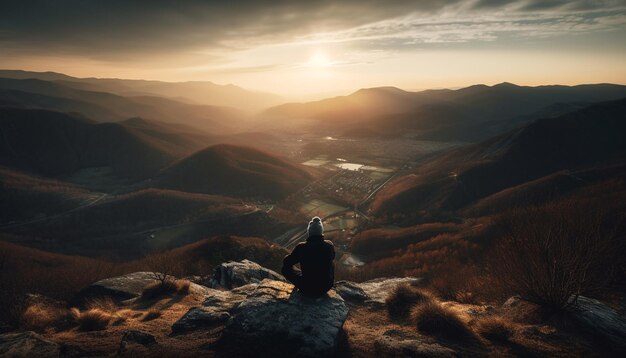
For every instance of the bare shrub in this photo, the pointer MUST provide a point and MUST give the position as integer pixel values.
(403, 298)
(165, 266)
(93, 319)
(495, 328)
(434, 319)
(551, 254)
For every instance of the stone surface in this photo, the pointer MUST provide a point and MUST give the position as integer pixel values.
(350, 291)
(600, 320)
(372, 291)
(274, 321)
(134, 337)
(127, 287)
(215, 309)
(200, 317)
(118, 288)
(27, 344)
(238, 273)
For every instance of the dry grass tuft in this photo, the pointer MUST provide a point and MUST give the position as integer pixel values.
(163, 288)
(434, 319)
(105, 304)
(40, 317)
(403, 298)
(121, 316)
(93, 319)
(151, 314)
(183, 287)
(495, 328)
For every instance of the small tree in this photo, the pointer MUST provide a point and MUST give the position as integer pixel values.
(549, 255)
(165, 266)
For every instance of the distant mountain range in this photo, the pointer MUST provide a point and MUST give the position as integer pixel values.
(109, 107)
(468, 114)
(194, 92)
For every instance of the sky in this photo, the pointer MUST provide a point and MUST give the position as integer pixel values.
(312, 49)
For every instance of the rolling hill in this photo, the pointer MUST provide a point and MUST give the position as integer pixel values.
(235, 171)
(591, 137)
(26, 196)
(54, 144)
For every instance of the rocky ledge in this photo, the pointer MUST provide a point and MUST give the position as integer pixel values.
(244, 309)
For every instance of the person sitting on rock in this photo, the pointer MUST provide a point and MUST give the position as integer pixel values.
(315, 256)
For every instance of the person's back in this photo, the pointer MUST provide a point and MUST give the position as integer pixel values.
(315, 257)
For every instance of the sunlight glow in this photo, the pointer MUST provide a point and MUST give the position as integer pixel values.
(320, 60)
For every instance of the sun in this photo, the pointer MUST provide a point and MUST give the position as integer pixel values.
(319, 59)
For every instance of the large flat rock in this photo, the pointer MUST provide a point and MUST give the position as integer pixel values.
(126, 287)
(372, 291)
(27, 344)
(118, 288)
(233, 274)
(274, 321)
(215, 309)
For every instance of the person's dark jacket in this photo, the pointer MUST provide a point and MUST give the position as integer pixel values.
(315, 257)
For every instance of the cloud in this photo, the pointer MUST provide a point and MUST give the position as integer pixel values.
(120, 30)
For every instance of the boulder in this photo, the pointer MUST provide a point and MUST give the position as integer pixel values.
(601, 321)
(215, 309)
(27, 344)
(127, 287)
(134, 337)
(233, 274)
(200, 317)
(119, 288)
(350, 291)
(373, 291)
(276, 321)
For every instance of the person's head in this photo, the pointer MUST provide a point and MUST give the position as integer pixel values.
(315, 228)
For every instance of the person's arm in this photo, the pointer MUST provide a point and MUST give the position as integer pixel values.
(288, 262)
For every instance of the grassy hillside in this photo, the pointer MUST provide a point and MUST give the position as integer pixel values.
(25, 196)
(235, 171)
(53, 143)
(451, 181)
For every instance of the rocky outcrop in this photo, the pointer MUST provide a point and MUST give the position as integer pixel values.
(274, 320)
(215, 309)
(601, 321)
(118, 288)
(126, 287)
(238, 273)
(200, 317)
(372, 291)
(27, 344)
